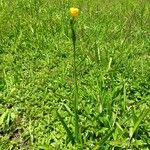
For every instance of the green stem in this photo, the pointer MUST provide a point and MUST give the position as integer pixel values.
(75, 82)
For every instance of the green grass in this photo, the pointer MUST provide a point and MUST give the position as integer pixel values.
(36, 75)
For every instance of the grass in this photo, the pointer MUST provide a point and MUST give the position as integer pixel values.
(36, 75)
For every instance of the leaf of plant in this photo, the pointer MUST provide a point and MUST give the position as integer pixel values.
(68, 110)
(44, 147)
(140, 118)
(3, 117)
(70, 135)
(106, 137)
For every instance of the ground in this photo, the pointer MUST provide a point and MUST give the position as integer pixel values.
(36, 75)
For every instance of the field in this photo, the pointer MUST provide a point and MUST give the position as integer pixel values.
(38, 106)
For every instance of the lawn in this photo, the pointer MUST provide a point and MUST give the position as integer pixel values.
(37, 86)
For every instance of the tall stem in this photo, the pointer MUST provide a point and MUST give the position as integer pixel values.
(75, 82)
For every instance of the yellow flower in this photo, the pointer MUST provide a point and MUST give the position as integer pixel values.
(74, 11)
